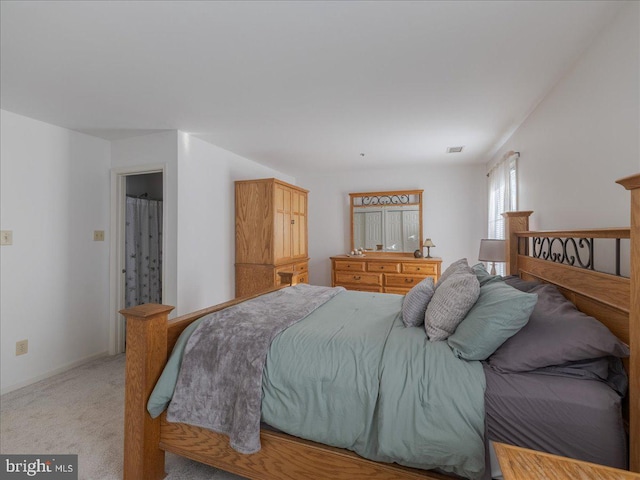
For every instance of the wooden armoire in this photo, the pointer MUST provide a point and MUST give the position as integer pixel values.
(271, 234)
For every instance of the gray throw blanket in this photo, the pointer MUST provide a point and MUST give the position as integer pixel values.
(220, 382)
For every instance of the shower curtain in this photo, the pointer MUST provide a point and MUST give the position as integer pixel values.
(143, 251)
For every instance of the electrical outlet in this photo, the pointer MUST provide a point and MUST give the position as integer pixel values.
(6, 237)
(22, 347)
(98, 235)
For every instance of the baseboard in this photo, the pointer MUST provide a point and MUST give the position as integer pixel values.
(53, 372)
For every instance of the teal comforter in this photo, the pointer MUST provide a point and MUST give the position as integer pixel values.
(352, 376)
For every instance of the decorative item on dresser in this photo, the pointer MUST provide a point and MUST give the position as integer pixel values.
(429, 244)
(382, 273)
(271, 234)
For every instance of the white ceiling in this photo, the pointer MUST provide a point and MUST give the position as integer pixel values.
(299, 86)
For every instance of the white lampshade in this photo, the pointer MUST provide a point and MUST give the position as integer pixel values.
(492, 250)
(428, 243)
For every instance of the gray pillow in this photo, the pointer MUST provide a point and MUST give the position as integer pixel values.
(594, 368)
(557, 333)
(450, 303)
(415, 303)
(451, 269)
(500, 312)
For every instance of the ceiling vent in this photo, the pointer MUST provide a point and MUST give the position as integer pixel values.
(454, 149)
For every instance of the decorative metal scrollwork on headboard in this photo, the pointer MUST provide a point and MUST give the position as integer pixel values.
(386, 200)
(578, 248)
(564, 250)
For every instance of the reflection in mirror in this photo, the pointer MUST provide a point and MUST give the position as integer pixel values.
(386, 221)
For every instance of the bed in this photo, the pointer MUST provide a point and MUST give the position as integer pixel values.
(151, 337)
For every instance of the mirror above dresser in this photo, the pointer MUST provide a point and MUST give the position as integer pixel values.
(386, 221)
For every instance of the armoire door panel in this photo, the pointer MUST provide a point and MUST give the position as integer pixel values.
(283, 223)
(301, 250)
(253, 234)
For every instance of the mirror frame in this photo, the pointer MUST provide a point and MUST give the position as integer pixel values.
(390, 194)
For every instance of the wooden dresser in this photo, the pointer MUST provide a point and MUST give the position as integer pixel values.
(271, 234)
(390, 273)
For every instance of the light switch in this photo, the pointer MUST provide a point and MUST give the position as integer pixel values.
(98, 235)
(6, 237)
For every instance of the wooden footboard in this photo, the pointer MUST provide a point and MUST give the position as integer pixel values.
(150, 339)
(151, 336)
(281, 457)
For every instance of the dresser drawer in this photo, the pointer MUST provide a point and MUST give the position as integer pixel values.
(397, 290)
(343, 278)
(364, 288)
(301, 267)
(403, 281)
(420, 269)
(346, 265)
(386, 267)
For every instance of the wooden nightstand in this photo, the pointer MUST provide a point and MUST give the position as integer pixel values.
(523, 464)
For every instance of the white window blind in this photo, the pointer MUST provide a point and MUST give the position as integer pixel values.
(503, 195)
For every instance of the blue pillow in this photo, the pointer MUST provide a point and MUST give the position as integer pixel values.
(499, 313)
(484, 276)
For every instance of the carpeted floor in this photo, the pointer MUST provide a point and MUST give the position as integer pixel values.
(82, 412)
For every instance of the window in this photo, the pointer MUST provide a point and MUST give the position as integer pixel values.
(503, 195)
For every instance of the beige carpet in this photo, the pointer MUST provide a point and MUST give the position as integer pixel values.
(82, 412)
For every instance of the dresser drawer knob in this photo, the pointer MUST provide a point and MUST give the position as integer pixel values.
(418, 268)
(408, 280)
(356, 277)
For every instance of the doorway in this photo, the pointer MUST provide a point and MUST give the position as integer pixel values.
(143, 240)
(137, 241)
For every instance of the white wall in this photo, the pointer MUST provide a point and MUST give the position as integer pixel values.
(54, 281)
(454, 210)
(206, 220)
(585, 135)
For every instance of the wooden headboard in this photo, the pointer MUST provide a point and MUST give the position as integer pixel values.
(557, 257)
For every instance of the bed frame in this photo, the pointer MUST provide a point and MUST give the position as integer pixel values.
(613, 299)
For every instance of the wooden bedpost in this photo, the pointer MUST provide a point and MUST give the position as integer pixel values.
(514, 222)
(632, 183)
(146, 357)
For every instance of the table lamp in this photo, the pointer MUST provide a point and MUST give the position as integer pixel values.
(428, 243)
(492, 250)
